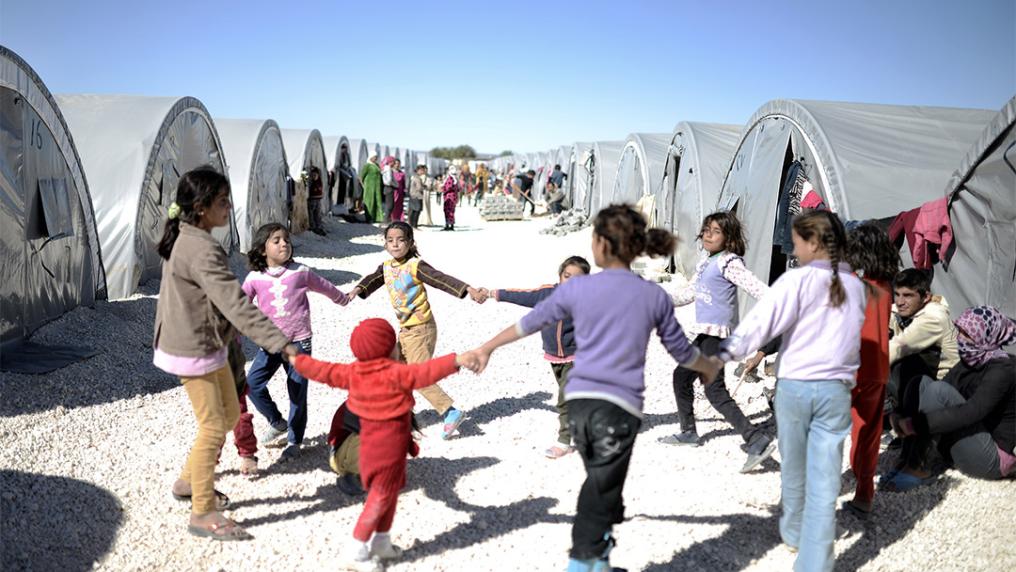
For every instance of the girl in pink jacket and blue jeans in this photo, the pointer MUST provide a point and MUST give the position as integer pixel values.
(279, 286)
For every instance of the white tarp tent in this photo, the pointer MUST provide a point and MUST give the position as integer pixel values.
(981, 268)
(864, 160)
(134, 150)
(304, 149)
(358, 153)
(640, 169)
(257, 173)
(49, 246)
(698, 157)
(605, 155)
(578, 169)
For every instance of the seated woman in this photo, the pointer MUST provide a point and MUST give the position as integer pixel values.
(971, 413)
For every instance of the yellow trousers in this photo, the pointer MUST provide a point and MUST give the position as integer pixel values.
(216, 409)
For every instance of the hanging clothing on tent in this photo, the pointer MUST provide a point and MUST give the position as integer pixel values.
(790, 206)
(812, 200)
(923, 227)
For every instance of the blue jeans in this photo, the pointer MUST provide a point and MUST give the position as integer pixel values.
(813, 421)
(261, 370)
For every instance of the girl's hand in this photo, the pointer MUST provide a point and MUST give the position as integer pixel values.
(291, 351)
(352, 294)
(479, 296)
(468, 360)
(710, 367)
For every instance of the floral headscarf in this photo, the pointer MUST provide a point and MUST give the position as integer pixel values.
(387, 161)
(985, 330)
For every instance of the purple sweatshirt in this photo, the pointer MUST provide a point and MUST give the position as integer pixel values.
(613, 311)
(281, 295)
(820, 343)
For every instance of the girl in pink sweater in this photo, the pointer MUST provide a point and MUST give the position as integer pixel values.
(279, 286)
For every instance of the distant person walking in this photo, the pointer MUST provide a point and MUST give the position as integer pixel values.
(450, 189)
(399, 196)
(370, 178)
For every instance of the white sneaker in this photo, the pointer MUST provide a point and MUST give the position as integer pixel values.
(381, 547)
(358, 559)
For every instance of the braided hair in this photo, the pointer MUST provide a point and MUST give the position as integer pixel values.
(826, 228)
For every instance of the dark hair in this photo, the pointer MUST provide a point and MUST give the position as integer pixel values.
(530, 172)
(257, 259)
(915, 279)
(826, 227)
(197, 190)
(870, 252)
(407, 231)
(582, 263)
(557, 167)
(730, 225)
(624, 229)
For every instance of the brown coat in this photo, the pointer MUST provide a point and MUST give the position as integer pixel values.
(200, 301)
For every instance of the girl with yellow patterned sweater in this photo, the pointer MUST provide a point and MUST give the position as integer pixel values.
(405, 276)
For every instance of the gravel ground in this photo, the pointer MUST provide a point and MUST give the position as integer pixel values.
(90, 452)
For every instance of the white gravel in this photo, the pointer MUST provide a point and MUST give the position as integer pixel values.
(90, 452)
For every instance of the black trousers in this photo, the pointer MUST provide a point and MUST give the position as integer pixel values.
(909, 370)
(716, 392)
(604, 435)
(415, 208)
(388, 194)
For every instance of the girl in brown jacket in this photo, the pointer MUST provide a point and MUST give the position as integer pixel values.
(200, 301)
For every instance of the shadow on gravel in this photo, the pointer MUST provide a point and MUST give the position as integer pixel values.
(122, 334)
(55, 523)
(490, 411)
(880, 530)
(747, 537)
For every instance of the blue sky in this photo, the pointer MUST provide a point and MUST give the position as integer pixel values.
(520, 75)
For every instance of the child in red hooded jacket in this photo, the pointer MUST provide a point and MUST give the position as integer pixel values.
(381, 395)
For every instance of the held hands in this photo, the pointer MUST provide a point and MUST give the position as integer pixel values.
(478, 295)
(352, 294)
(712, 367)
(291, 351)
(474, 360)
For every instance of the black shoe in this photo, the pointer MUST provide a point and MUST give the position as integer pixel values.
(350, 484)
(759, 451)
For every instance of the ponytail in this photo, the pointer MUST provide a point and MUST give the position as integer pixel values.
(624, 229)
(169, 235)
(837, 295)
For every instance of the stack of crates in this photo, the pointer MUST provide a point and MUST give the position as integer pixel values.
(501, 207)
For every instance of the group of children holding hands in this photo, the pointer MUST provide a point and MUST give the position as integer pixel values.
(596, 348)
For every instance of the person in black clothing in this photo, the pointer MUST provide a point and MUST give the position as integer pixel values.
(525, 190)
(315, 194)
(971, 412)
(558, 344)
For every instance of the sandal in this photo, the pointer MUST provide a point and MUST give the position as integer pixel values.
(221, 500)
(225, 530)
(557, 451)
(855, 510)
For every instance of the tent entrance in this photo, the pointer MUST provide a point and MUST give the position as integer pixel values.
(778, 262)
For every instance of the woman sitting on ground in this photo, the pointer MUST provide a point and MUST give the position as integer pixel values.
(971, 412)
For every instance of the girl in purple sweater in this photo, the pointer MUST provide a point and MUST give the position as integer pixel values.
(605, 388)
(280, 286)
(818, 309)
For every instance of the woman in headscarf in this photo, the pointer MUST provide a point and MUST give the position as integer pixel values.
(971, 412)
(450, 189)
(399, 195)
(370, 178)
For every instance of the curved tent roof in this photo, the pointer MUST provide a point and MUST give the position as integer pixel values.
(48, 238)
(577, 167)
(257, 173)
(304, 149)
(605, 155)
(698, 157)
(981, 269)
(640, 168)
(358, 153)
(135, 149)
(865, 160)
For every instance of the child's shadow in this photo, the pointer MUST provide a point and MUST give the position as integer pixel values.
(490, 411)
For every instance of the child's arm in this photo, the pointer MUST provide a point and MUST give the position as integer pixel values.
(526, 298)
(333, 374)
(426, 373)
(773, 315)
(738, 274)
(673, 338)
(369, 283)
(248, 287)
(318, 284)
(434, 277)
